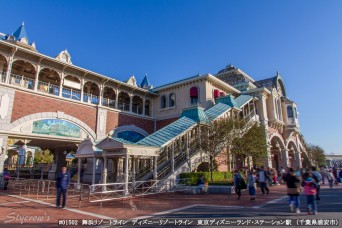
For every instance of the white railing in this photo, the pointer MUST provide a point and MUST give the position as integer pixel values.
(3, 77)
(22, 81)
(108, 102)
(71, 93)
(137, 109)
(117, 191)
(123, 106)
(90, 98)
(48, 88)
(182, 184)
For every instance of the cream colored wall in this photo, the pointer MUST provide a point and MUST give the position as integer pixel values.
(206, 100)
(274, 101)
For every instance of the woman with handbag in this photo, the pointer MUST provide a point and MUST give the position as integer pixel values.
(293, 183)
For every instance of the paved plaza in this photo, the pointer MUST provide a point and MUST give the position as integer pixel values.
(27, 210)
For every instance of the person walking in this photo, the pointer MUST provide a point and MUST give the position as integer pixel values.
(335, 173)
(201, 185)
(318, 178)
(293, 190)
(238, 183)
(340, 175)
(251, 184)
(282, 174)
(310, 190)
(330, 178)
(6, 176)
(62, 184)
(263, 178)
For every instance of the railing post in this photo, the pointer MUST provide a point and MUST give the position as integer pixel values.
(126, 174)
(155, 168)
(48, 191)
(133, 174)
(35, 88)
(173, 158)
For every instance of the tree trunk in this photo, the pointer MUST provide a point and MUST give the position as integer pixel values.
(211, 167)
(228, 159)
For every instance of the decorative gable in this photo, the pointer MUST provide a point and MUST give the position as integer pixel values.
(64, 56)
(132, 81)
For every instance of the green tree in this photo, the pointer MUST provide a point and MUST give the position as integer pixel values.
(215, 139)
(43, 157)
(251, 144)
(317, 154)
(211, 142)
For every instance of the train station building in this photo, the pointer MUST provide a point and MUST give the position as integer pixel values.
(129, 130)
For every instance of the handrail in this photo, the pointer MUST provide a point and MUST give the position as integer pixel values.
(182, 184)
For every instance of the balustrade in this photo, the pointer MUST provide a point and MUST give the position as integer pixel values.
(22, 81)
(48, 88)
(108, 102)
(71, 93)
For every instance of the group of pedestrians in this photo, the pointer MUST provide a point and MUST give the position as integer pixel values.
(256, 178)
(296, 180)
(311, 182)
(333, 176)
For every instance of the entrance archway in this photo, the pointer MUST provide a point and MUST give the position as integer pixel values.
(278, 153)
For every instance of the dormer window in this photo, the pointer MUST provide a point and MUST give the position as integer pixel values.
(194, 95)
(172, 100)
(290, 112)
(216, 93)
(163, 102)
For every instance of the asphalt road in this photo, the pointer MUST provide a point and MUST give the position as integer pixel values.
(329, 207)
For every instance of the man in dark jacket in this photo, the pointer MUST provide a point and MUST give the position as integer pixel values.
(318, 178)
(293, 189)
(62, 184)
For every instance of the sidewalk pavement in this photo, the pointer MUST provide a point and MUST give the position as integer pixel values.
(15, 209)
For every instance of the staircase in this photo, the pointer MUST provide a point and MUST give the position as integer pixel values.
(182, 153)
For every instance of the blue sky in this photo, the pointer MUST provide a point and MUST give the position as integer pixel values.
(173, 39)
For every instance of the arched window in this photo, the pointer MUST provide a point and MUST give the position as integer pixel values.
(289, 112)
(162, 102)
(172, 100)
(216, 93)
(194, 95)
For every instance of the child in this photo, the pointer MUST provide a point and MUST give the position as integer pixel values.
(251, 184)
(310, 190)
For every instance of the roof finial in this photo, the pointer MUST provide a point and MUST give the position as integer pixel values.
(22, 23)
(277, 72)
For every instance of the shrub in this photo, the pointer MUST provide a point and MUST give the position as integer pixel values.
(221, 178)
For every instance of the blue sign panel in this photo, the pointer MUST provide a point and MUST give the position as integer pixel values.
(56, 127)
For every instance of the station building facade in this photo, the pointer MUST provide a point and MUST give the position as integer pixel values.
(126, 129)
